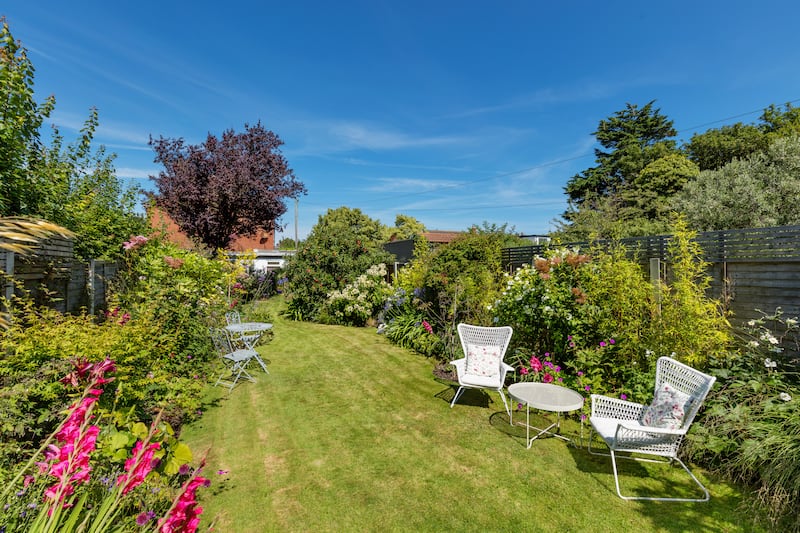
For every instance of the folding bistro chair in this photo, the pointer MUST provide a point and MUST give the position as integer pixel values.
(235, 360)
(241, 340)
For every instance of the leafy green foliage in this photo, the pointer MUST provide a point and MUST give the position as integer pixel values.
(406, 325)
(758, 191)
(72, 185)
(571, 305)
(20, 120)
(689, 324)
(405, 227)
(750, 430)
(342, 245)
(358, 301)
(716, 148)
(632, 138)
(157, 334)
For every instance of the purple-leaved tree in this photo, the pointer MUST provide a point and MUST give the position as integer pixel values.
(233, 185)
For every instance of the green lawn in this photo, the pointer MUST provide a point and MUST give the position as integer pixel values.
(351, 433)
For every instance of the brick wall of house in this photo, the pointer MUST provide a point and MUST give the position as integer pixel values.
(261, 240)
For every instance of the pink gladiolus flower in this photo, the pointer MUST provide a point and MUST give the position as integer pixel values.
(138, 466)
(547, 378)
(523, 370)
(536, 365)
(185, 514)
(427, 326)
(69, 462)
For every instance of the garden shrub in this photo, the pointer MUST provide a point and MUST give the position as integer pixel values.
(689, 323)
(406, 324)
(342, 245)
(157, 333)
(358, 301)
(749, 430)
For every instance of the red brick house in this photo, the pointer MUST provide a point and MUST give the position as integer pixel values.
(262, 240)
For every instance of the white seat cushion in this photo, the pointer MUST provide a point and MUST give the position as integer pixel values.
(481, 381)
(483, 360)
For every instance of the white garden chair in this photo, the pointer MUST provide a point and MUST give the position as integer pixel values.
(654, 430)
(235, 360)
(482, 366)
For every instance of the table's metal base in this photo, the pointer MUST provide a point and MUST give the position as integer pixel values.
(529, 427)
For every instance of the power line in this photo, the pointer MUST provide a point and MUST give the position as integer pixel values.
(726, 119)
(558, 162)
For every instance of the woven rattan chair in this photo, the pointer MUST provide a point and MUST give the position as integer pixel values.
(482, 366)
(654, 430)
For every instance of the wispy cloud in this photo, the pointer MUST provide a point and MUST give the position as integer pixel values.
(337, 136)
(584, 91)
(136, 173)
(410, 185)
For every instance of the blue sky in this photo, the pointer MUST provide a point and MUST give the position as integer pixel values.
(454, 112)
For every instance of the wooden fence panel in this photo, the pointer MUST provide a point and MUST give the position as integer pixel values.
(52, 276)
(750, 269)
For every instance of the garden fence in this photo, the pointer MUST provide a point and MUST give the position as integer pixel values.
(751, 269)
(53, 276)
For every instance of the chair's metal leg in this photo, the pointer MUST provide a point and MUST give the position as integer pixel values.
(508, 411)
(705, 498)
(459, 392)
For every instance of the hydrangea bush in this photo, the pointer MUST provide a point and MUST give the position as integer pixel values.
(359, 301)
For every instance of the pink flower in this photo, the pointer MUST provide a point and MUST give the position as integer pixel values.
(611, 341)
(68, 459)
(185, 513)
(623, 396)
(135, 242)
(427, 326)
(536, 365)
(138, 466)
(602, 344)
(547, 378)
(523, 370)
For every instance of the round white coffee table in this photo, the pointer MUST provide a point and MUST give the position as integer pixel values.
(545, 397)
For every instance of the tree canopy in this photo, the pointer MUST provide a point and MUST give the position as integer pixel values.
(70, 184)
(342, 245)
(759, 190)
(637, 168)
(632, 138)
(225, 186)
(20, 121)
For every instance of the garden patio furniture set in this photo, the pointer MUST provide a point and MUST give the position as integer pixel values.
(636, 430)
(235, 344)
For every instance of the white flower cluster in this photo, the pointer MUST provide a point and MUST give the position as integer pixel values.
(354, 300)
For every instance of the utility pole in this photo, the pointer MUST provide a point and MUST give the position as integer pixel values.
(296, 242)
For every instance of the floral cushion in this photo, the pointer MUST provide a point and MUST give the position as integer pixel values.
(668, 408)
(483, 360)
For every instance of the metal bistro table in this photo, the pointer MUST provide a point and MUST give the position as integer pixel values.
(546, 397)
(249, 333)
